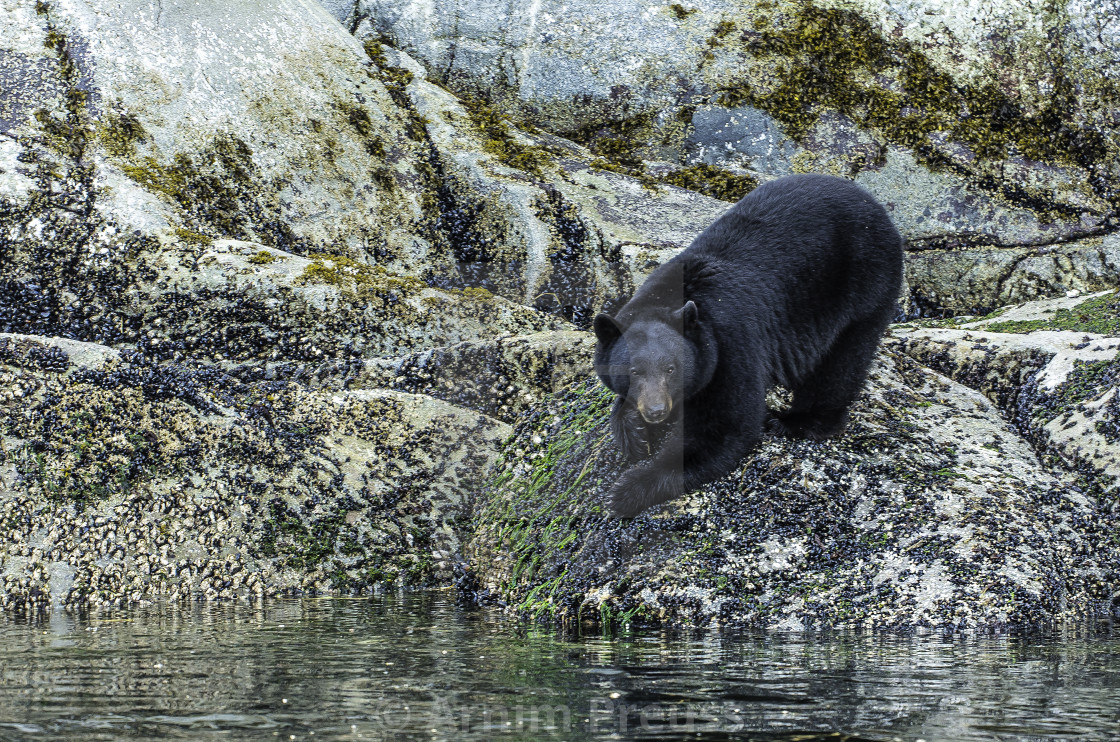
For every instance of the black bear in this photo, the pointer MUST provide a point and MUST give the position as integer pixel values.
(793, 285)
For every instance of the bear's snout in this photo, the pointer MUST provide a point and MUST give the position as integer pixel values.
(655, 411)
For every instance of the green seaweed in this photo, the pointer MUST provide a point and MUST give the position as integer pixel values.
(1100, 315)
(69, 134)
(533, 530)
(712, 181)
(396, 81)
(834, 58)
(360, 120)
(617, 144)
(347, 273)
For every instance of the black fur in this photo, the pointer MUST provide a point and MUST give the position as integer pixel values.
(794, 285)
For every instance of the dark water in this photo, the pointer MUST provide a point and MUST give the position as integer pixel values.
(414, 667)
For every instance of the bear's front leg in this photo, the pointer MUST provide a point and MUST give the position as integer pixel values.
(651, 482)
(641, 487)
(629, 431)
(678, 468)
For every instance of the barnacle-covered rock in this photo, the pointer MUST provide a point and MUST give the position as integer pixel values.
(928, 511)
(122, 479)
(272, 294)
(501, 377)
(1053, 366)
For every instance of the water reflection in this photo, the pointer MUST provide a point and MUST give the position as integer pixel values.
(414, 667)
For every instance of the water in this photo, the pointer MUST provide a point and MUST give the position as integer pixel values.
(415, 667)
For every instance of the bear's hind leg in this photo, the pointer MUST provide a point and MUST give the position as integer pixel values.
(821, 400)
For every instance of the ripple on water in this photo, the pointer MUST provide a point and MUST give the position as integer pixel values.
(416, 667)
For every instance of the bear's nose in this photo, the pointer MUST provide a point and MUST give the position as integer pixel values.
(655, 413)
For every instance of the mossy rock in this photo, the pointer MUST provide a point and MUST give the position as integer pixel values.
(976, 131)
(913, 517)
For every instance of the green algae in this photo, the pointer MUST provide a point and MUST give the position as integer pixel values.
(539, 514)
(396, 81)
(131, 437)
(618, 143)
(360, 120)
(499, 141)
(721, 31)
(303, 544)
(549, 553)
(78, 448)
(1100, 315)
(364, 280)
(191, 237)
(834, 58)
(385, 178)
(713, 181)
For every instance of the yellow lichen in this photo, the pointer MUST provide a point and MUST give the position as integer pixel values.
(192, 237)
(264, 257)
(500, 142)
(712, 181)
(834, 58)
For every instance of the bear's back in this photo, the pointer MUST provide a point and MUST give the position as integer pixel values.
(803, 216)
(795, 254)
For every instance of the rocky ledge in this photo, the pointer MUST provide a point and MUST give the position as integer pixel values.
(930, 510)
(289, 305)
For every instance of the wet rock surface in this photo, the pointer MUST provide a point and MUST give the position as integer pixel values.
(274, 294)
(928, 511)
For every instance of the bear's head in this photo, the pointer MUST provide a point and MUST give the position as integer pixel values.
(656, 360)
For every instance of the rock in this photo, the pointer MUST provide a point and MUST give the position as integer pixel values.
(230, 121)
(969, 126)
(310, 309)
(125, 480)
(148, 140)
(978, 280)
(928, 512)
(272, 296)
(533, 221)
(500, 378)
(1052, 366)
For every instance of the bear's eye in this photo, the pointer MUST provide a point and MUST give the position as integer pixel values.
(635, 372)
(670, 370)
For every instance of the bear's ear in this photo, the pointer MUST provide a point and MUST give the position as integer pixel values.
(688, 316)
(606, 329)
